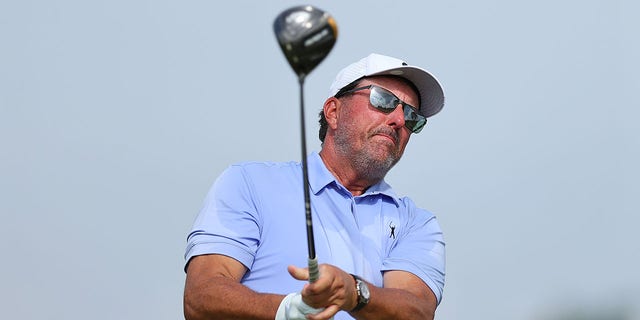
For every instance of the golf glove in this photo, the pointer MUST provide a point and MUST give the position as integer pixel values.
(293, 308)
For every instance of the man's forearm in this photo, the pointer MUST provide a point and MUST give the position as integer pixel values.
(220, 298)
(389, 303)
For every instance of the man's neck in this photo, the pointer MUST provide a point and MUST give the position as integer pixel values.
(345, 173)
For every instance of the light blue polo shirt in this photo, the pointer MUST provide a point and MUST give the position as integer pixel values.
(255, 214)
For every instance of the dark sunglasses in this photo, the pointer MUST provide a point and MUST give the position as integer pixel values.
(385, 101)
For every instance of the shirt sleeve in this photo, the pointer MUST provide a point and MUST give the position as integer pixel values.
(227, 223)
(420, 249)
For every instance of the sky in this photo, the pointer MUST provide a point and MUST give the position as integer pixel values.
(117, 116)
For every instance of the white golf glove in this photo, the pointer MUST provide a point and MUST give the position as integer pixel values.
(293, 308)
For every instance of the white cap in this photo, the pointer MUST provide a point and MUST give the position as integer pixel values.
(431, 93)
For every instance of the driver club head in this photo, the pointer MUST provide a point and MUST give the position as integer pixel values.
(306, 35)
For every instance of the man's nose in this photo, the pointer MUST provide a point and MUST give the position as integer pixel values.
(396, 117)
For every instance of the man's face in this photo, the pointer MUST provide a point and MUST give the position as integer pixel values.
(372, 140)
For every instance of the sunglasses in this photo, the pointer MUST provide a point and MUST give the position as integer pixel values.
(385, 101)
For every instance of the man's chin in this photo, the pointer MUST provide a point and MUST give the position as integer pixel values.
(383, 158)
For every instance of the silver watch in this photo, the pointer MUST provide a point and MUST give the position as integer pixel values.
(362, 289)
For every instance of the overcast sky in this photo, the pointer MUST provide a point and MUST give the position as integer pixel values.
(116, 117)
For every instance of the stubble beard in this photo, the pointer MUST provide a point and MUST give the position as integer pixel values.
(367, 159)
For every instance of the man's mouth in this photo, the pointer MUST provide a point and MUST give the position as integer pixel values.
(389, 134)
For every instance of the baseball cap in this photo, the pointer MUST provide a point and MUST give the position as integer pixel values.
(429, 89)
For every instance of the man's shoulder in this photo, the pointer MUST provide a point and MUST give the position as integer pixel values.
(414, 210)
(266, 176)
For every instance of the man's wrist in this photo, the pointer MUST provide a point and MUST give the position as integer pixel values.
(362, 293)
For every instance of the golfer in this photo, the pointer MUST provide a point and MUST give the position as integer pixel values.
(381, 257)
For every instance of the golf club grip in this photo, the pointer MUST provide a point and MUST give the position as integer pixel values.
(314, 272)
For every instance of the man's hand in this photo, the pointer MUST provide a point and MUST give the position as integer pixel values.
(334, 290)
(404, 295)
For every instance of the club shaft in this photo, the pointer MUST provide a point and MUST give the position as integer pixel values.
(313, 262)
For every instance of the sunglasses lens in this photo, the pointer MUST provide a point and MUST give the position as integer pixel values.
(383, 100)
(412, 120)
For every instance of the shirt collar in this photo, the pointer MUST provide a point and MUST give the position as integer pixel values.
(320, 177)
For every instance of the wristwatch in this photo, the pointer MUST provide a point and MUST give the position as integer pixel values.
(363, 293)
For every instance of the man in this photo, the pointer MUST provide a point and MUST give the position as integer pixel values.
(380, 256)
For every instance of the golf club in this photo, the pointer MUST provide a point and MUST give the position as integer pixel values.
(306, 36)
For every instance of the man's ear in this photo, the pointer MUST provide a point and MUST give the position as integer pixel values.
(330, 110)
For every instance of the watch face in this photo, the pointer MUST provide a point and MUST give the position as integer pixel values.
(364, 290)
(363, 293)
